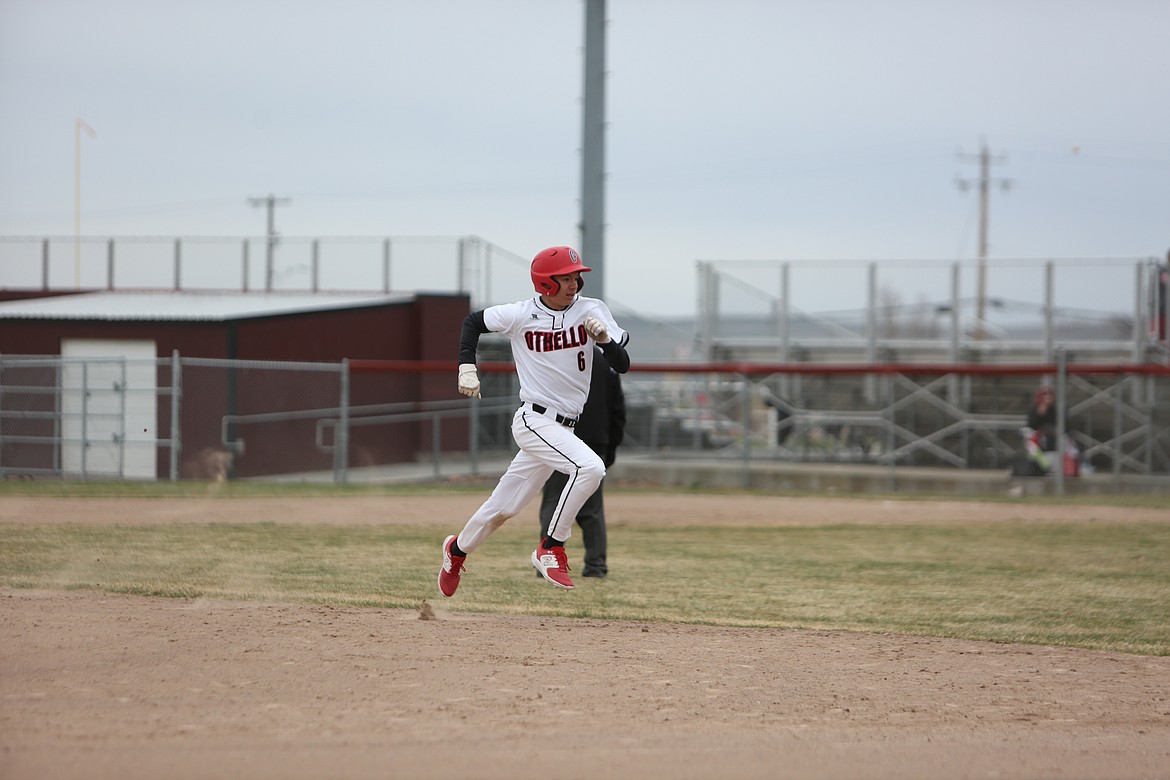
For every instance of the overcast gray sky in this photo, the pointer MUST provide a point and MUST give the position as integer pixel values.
(737, 128)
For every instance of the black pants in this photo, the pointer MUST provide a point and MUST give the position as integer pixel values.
(591, 518)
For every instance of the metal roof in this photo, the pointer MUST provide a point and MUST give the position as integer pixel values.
(187, 306)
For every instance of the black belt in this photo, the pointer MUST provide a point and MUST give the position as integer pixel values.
(568, 422)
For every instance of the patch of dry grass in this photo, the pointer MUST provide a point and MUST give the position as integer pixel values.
(1077, 584)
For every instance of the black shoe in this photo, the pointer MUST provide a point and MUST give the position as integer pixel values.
(593, 573)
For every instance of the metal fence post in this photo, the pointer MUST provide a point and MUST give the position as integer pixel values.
(953, 388)
(436, 445)
(1061, 411)
(1149, 401)
(746, 398)
(315, 265)
(341, 446)
(965, 438)
(386, 265)
(110, 264)
(244, 266)
(891, 434)
(1118, 395)
(176, 428)
(121, 439)
(654, 424)
(461, 262)
(708, 313)
(84, 416)
(486, 275)
(703, 319)
(1139, 320)
(58, 419)
(871, 326)
(178, 264)
(697, 429)
(1049, 296)
(785, 325)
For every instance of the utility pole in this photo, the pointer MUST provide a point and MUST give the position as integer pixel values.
(985, 180)
(593, 147)
(271, 202)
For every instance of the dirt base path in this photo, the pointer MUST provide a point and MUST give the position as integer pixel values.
(102, 686)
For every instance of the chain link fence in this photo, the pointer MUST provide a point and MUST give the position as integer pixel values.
(943, 416)
(890, 310)
(196, 418)
(487, 272)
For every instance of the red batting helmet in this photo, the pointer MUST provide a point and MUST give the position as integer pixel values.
(554, 261)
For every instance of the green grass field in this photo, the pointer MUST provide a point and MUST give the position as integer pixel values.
(1099, 586)
(198, 489)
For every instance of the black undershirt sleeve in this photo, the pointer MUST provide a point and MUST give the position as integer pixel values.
(616, 356)
(473, 326)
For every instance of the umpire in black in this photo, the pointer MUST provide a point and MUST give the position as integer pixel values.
(602, 426)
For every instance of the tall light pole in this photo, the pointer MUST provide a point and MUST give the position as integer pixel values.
(78, 125)
(593, 147)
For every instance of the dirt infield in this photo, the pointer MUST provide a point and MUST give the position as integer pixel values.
(103, 686)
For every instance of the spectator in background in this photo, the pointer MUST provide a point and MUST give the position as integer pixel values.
(1040, 435)
(602, 427)
(1042, 418)
(783, 427)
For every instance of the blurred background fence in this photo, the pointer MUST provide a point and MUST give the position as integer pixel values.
(1001, 310)
(892, 364)
(487, 272)
(890, 310)
(197, 418)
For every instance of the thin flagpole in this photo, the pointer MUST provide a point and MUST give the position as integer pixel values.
(78, 124)
(77, 203)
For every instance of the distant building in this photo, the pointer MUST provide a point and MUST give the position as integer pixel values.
(297, 327)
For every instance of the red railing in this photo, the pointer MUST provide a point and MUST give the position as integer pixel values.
(820, 369)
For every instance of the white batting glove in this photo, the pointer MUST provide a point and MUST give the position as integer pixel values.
(596, 330)
(468, 380)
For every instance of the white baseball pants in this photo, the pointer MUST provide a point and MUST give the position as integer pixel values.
(545, 446)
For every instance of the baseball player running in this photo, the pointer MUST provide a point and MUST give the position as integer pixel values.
(552, 337)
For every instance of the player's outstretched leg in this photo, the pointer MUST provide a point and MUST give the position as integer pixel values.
(552, 564)
(451, 569)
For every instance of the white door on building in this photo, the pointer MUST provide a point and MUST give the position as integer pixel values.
(109, 408)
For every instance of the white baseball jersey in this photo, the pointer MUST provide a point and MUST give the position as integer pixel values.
(552, 351)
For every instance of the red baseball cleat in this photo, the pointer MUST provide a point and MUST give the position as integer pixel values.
(452, 568)
(553, 565)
